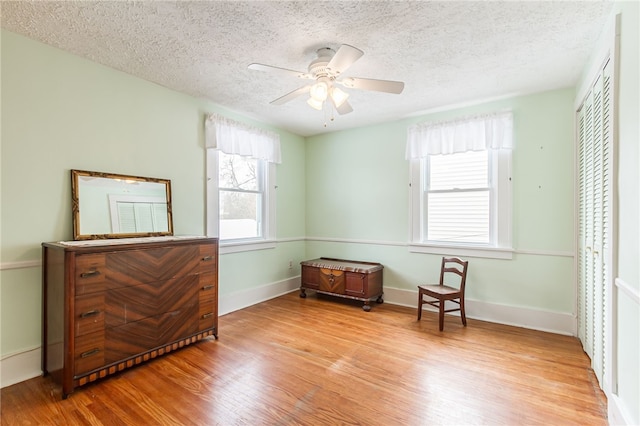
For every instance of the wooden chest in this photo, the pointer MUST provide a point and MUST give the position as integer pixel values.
(344, 278)
(109, 305)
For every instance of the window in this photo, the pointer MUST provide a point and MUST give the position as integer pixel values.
(240, 184)
(457, 198)
(241, 196)
(460, 188)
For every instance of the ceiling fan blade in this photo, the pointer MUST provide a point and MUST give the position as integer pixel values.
(291, 95)
(344, 58)
(272, 69)
(343, 109)
(387, 86)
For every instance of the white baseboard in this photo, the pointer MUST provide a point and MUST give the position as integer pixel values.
(21, 366)
(27, 365)
(617, 414)
(554, 322)
(242, 299)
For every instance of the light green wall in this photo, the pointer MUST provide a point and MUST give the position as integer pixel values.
(358, 187)
(61, 112)
(20, 309)
(628, 196)
(357, 184)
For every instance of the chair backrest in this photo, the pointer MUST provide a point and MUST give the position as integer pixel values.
(454, 265)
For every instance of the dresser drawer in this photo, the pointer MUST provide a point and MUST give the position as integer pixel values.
(208, 259)
(129, 304)
(89, 314)
(150, 333)
(207, 312)
(89, 352)
(135, 267)
(90, 273)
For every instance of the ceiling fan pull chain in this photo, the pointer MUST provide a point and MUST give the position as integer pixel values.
(326, 112)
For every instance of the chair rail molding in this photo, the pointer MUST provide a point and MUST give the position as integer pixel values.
(22, 264)
(626, 288)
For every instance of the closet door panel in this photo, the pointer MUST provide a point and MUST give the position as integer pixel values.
(595, 258)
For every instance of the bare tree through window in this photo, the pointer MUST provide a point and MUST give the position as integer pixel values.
(240, 196)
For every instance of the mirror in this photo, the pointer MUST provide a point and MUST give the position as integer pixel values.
(107, 205)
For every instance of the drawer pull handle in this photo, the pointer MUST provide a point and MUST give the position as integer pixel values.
(209, 315)
(90, 313)
(89, 274)
(89, 353)
(207, 287)
(207, 258)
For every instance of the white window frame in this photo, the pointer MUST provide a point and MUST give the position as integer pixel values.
(268, 238)
(500, 246)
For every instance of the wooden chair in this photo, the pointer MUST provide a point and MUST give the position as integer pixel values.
(442, 292)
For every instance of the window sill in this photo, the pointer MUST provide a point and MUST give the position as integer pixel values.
(241, 246)
(457, 250)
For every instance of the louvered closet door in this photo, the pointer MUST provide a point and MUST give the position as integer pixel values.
(594, 219)
(585, 238)
(607, 242)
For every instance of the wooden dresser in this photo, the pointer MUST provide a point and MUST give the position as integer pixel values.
(109, 305)
(344, 278)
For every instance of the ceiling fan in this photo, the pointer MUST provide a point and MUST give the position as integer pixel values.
(326, 70)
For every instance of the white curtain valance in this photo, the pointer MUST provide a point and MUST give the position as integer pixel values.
(477, 133)
(233, 137)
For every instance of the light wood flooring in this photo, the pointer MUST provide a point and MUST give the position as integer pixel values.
(324, 361)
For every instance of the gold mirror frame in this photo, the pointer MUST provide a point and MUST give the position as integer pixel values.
(112, 186)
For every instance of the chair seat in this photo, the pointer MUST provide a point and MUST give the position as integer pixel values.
(439, 289)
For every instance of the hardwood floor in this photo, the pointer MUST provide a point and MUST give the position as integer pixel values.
(323, 360)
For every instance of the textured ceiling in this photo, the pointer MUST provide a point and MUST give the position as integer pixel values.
(446, 52)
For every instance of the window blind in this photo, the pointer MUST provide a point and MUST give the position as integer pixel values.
(458, 198)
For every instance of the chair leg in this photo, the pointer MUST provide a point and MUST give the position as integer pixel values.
(441, 314)
(419, 306)
(462, 314)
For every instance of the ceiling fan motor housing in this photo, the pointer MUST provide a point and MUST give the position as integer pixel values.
(318, 67)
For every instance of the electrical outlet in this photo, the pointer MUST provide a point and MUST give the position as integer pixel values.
(290, 264)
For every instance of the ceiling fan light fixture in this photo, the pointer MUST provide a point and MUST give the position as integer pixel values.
(338, 96)
(319, 91)
(314, 103)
